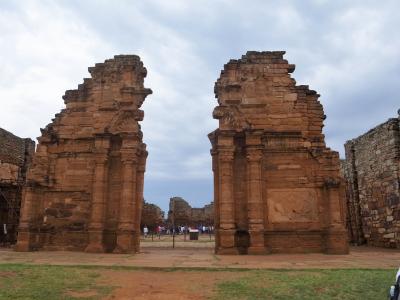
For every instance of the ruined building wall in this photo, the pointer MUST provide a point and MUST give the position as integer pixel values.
(373, 176)
(185, 215)
(85, 186)
(353, 213)
(277, 187)
(15, 156)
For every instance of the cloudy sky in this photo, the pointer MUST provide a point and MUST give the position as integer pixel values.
(348, 51)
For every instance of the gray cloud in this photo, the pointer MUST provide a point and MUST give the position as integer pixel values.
(346, 51)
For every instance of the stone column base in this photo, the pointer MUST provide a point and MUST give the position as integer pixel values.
(257, 245)
(95, 242)
(336, 242)
(125, 242)
(226, 239)
(136, 246)
(23, 242)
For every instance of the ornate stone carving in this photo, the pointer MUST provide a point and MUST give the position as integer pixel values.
(126, 121)
(254, 154)
(230, 117)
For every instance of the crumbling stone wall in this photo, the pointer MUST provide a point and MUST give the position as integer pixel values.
(277, 187)
(353, 214)
(15, 156)
(185, 215)
(372, 172)
(85, 186)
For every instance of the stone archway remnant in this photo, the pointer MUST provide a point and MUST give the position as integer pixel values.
(277, 186)
(84, 189)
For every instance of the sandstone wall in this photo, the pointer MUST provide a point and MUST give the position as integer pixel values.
(15, 156)
(277, 187)
(185, 215)
(85, 186)
(372, 173)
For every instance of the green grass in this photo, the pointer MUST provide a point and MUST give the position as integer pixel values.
(48, 282)
(24, 281)
(308, 284)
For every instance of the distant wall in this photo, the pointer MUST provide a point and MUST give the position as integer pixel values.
(371, 170)
(15, 156)
(186, 215)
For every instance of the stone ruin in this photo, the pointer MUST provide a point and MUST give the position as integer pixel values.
(85, 186)
(372, 173)
(277, 187)
(15, 157)
(185, 215)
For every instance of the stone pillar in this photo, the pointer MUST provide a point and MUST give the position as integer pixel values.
(139, 199)
(214, 155)
(336, 241)
(255, 201)
(96, 225)
(227, 227)
(126, 226)
(24, 233)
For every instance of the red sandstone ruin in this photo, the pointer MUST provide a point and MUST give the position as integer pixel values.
(277, 186)
(85, 186)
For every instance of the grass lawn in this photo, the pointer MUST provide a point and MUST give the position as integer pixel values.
(309, 284)
(22, 281)
(49, 282)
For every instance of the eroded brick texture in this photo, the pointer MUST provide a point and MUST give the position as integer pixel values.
(15, 156)
(85, 187)
(353, 213)
(277, 187)
(372, 172)
(185, 215)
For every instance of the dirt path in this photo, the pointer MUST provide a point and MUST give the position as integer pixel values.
(359, 257)
(155, 285)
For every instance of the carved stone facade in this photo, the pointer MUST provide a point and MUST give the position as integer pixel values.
(372, 173)
(277, 187)
(85, 186)
(15, 157)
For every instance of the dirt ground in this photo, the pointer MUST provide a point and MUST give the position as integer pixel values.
(157, 285)
(147, 281)
(181, 241)
(359, 257)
